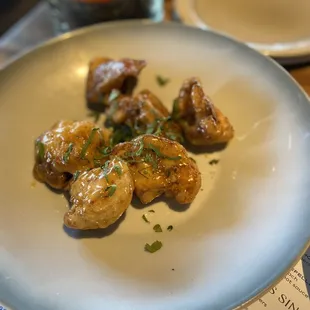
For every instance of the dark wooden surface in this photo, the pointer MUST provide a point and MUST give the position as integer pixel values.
(302, 76)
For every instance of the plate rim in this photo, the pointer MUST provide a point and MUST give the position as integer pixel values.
(290, 50)
(84, 30)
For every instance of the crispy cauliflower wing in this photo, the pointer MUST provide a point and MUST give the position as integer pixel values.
(144, 114)
(66, 148)
(106, 74)
(160, 166)
(100, 196)
(201, 121)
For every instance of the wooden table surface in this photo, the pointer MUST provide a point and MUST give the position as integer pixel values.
(300, 73)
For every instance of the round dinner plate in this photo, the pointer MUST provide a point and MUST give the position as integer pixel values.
(246, 227)
(277, 28)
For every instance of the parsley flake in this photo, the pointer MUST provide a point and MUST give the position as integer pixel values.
(170, 227)
(157, 228)
(145, 218)
(175, 108)
(76, 175)
(154, 247)
(141, 147)
(88, 142)
(118, 170)
(41, 149)
(114, 95)
(68, 152)
(161, 80)
(213, 162)
(111, 189)
(159, 154)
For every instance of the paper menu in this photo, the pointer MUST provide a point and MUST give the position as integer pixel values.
(292, 293)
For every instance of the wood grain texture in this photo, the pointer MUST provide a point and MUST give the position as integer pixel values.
(302, 76)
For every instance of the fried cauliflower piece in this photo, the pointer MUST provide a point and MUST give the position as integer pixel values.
(144, 113)
(201, 121)
(160, 166)
(66, 148)
(106, 74)
(100, 196)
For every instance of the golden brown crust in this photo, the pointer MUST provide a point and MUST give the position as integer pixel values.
(61, 151)
(106, 74)
(100, 196)
(201, 121)
(160, 166)
(145, 113)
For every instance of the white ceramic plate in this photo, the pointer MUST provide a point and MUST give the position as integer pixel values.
(244, 230)
(277, 28)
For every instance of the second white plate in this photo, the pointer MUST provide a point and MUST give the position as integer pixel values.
(278, 28)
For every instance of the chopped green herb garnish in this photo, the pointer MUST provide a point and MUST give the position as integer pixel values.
(156, 150)
(76, 175)
(41, 149)
(140, 150)
(170, 227)
(145, 218)
(111, 189)
(114, 94)
(105, 170)
(122, 133)
(155, 246)
(148, 158)
(213, 162)
(159, 154)
(151, 128)
(68, 152)
(105, 152)
(151, 211)
(157, 228)
(95, 115)
(174, 136)
(118, 170)
(161, 80)
(88, 142)
(176, 108)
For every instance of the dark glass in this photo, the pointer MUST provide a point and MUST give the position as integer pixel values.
(71, 14)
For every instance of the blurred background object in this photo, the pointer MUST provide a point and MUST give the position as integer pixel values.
(12, 10)
(277, 28)
(71, 14)
(27, 23)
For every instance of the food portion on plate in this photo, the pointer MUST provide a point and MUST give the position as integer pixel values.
(66, 148)
(201, 121)
(160, 166)
(143, 114)
(137, 150)
(106, 75)
(100, 196)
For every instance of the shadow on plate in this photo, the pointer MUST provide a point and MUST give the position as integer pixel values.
(208, 149)
(171, 203)
(94, 233)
